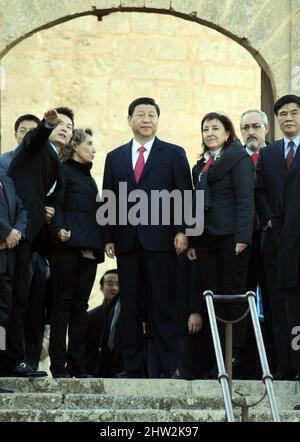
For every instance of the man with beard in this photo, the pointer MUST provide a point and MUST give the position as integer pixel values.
(254, 129)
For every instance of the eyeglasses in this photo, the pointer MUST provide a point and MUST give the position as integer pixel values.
(254, 126)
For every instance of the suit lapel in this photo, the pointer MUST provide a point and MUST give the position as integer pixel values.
(296, 162)
(127, 160)
(154, 156)
(279, 154)
(8, 194)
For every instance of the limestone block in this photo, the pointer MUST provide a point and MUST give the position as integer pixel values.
(107, 4)
(115, 24)
(36, 401)
(143, 23)
(145, 387)
(132, 3)
(158, 4)
(196, 416)
(140, 416)
(229, 76)
(185, 6)
(215, 50)
(209, 11)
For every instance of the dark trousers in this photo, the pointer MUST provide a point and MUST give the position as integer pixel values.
(16, 327)
(36, 313)
(6, 289)
(72, 281)
(257, 276)
(279, 318)
(224, 272)
(292, 299)
(155, 271)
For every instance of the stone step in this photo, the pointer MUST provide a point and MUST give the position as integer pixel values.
(71, 401)
(108, 415)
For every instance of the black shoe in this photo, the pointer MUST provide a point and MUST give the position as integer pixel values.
(25, 371)
(297, 407)
(3, 390)
(129, 375)
(62, 375)
(79, 374)
(169, 375)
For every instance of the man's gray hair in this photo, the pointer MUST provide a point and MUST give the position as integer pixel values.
(263, 115)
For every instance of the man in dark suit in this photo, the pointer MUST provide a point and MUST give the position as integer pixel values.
(103, 357)
(13, 222)
(146, 252)
(40, 287)
(35, 170)
(286, 232)
(254, 129)
(274, 162)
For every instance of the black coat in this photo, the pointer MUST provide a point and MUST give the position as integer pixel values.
(286, 231)
(166, 168)
(34, 169)
(12, 216)
(76, 207)
(228, 194)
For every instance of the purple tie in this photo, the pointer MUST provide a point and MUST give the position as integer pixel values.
(139, 165)
(290, 156)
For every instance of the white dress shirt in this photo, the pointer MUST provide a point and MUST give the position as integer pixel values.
(135, 150)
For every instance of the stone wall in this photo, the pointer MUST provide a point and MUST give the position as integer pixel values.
(98, 67)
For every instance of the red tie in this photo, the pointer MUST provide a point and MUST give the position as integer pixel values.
(290, 155)
(139, 165)
(207, 164)
(254, 157)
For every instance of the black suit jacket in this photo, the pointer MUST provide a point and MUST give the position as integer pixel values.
(12, 216)
(34, 169)
(166, 168)
(270, 175)
(229, 194)
(286, 231)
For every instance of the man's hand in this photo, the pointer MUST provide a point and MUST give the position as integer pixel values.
(13, 239)
(180, 243)
(64, 235)
(240, 247)
(191, 254)
(3, 246)
(110, 249)
(49, 213)
(195, 323)
(51, 117)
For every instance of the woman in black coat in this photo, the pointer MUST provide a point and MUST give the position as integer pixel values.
(226, 174)
(74, 257)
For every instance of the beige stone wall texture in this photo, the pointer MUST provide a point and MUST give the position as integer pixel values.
(98, 67)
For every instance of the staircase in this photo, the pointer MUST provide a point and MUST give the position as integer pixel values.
(137, 400)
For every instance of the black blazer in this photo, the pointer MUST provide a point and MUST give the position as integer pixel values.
(166, 168)
(270, 175)
(229, 194)
(34, 169)
(286, 231)
(76, 207)
(12, 216)
(98, 324)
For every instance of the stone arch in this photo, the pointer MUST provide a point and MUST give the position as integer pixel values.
(259, 26)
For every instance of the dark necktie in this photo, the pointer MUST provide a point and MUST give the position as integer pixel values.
(139, 165)
(290, 156)
(112, 330)
(2, 195)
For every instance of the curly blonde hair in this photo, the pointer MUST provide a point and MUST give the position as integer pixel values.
(78, 137)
